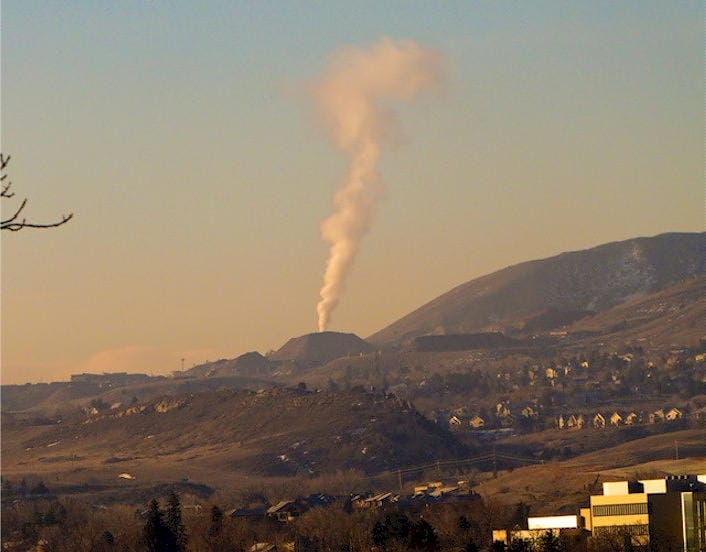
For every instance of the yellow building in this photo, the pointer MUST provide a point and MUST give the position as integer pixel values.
(654, 514)
(671, 511)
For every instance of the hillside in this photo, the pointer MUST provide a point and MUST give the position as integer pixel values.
(318, 348)
(248, 364)
(555, 291)
(673, 316)
(560, 486)
(277, 432)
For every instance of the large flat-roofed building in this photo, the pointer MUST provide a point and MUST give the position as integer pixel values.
(668, 512)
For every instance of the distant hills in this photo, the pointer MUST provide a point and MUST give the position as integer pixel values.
(298, 353)
(615, 292)
(554, 292)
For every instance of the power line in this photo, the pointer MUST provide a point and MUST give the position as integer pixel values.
(437, 464)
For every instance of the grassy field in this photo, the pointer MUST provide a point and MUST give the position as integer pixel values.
(560, 486)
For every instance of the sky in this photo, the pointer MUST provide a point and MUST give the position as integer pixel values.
(181, 136)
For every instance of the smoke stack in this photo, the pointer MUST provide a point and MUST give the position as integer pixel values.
(348, 96)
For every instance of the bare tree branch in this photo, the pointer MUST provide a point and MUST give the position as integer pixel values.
(17, 213)
(15, 226)
(13, 223)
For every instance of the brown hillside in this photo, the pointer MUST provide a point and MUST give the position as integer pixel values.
(674, 316)
(268, 433)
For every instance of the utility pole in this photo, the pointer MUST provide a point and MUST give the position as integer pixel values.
(495, 463)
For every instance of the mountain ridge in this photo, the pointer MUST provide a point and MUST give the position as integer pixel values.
(590, 280)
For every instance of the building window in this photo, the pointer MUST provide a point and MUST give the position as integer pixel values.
(620, 509)
(633, 530)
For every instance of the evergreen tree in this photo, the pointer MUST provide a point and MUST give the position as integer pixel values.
(422, 536)
(6, 487)
(216, 522)
(40, 489)
(332, 385)
(379, 534)
(23, 488)
(156, 536)
(519, 518)
(520, 545)
(548, 542)
(154, 528)
(174, 522)
(397, 525)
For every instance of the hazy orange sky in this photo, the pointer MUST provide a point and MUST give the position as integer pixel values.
(177, 134)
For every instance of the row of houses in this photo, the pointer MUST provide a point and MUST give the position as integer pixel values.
(428, 495)
(504, 414)
(599, 420)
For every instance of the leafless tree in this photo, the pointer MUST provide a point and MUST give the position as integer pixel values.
(17, 221)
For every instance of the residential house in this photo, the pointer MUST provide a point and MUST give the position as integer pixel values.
(263, 547)
(656, 416)
(287, 510)
(576, 422)
(476, 422)
(502, 410)
(632, 418)
(378, 501)
(560, 422)
(249, 513)
(598, 421)
(673, 414)
(530, 411)
(437, 492)
(319, 500)
(616, 419)
(455, 421)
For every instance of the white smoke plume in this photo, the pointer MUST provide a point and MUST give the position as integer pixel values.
(352, 98)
